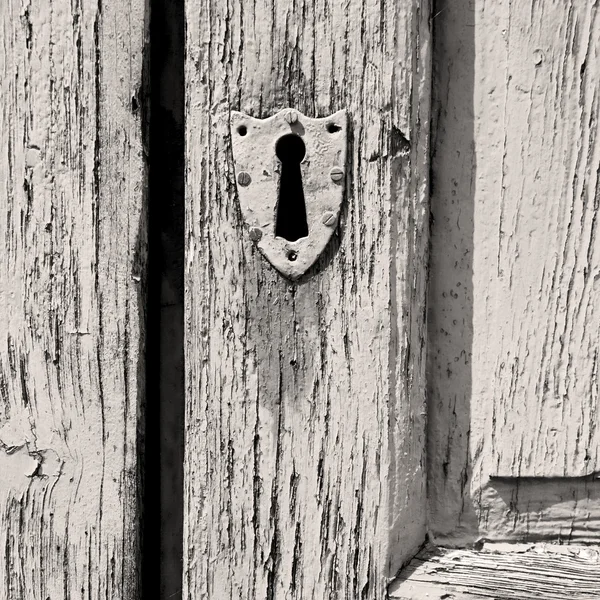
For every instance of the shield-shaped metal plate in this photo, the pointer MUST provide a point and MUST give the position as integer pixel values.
(258, 174)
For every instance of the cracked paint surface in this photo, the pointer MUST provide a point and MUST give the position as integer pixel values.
(72, 225)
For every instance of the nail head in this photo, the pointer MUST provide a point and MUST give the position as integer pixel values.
(244, 178)
(336, 173)
(329, 219)
(291, 117)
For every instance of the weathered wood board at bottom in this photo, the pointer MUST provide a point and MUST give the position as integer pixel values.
(501, 572)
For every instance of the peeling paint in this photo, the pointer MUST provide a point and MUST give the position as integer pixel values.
(513, 328)
(305, 466)
(32, 463)
(73, 226)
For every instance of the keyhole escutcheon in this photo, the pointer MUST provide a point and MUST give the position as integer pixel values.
(290, 221)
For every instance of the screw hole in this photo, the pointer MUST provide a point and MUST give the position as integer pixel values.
(242, 130)
(333, 128)
(292, 255)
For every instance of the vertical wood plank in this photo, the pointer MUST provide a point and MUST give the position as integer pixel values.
(72, 225)
(514, 437)
(539, 242)
(304, 474)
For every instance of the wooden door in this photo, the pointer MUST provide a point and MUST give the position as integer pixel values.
(305, 400)
(72, 272)
(336, 422)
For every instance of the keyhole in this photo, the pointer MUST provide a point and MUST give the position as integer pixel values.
(290, 222)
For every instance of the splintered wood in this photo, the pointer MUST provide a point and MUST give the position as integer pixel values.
(304, 473)
(72, 225)
(502, 572)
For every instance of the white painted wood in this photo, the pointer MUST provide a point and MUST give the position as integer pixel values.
(515, 271)
(305, 401)
(537, 248)
(72, 225)
(502, 572)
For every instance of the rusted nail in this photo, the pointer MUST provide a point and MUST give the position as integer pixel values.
(244, 178)
(336, 174)
(256, 234)
(329, 219)
(291, 117)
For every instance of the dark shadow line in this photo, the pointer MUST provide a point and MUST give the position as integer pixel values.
(163, 454)
(150, 508)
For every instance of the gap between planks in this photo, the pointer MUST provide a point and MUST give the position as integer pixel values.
(501, 572)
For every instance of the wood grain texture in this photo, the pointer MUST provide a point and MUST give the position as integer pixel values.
(72, 222)
(502, 572)
(515, 270)
(304, 474)
(537, 259)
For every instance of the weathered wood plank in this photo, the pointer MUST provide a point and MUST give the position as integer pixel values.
(515, 270)
(72, 225)
(305, 402)
(502, 572)
(537, 262)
